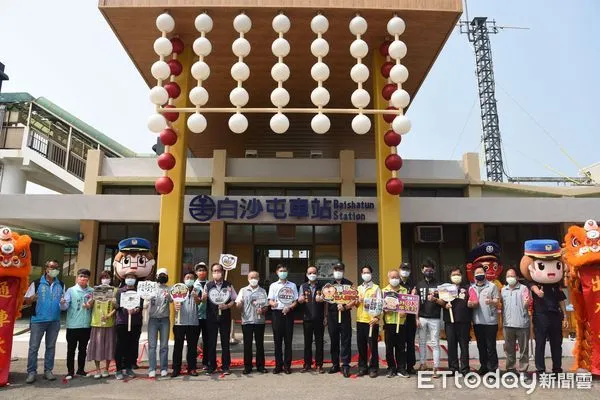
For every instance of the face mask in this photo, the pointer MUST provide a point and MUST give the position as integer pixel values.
(338, 275)
(366, 277)
(312, 277)
(456, 279)
(53, 273)
(405, 274)
(394, 282)
(202, 275)
(130, 281)
(480, 277)
(105, 282)
(189, 282)
(254, 282)
(428, 274)
(511, 280)
(282, 275)
(162, 279)
(217, 276)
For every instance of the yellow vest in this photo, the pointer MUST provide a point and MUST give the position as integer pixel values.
(390, 317)
(361, 314)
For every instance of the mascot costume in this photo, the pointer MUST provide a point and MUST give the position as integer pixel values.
(582, 256)
(134, 256)
(15, 266)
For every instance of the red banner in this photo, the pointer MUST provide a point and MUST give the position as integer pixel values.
(9, 292)
(590, 283)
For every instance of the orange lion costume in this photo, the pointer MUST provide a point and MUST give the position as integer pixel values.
(582, 256)
(15, 266)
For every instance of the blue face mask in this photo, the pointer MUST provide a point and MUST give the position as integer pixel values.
(130, 281)
(282, 275)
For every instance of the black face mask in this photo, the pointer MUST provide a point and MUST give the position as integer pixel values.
(428, 274)
(162, 279)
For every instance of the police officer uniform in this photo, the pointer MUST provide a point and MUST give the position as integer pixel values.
(340, 333)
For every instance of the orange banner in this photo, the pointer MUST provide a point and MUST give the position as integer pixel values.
(590, 284)
(9, 292)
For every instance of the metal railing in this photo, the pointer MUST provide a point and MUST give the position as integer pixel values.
(56, 153)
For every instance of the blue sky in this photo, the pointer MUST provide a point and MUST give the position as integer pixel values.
(66, 52)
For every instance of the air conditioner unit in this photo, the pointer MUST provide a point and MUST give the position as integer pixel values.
(429, 234)
(251, 154)
(316, 154)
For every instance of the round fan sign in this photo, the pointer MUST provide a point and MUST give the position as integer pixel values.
(179, 292)
(258, 299)
(219, 296)
(228, 261)
(286, 295)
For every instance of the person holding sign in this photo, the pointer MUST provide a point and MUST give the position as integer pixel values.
(129, 326)
(77, 302)
(410, 324)
(283, 296)
(220, 296)
(394, 327)
(186, 328)
(252, 299)
(199, 285)
(367, 325)
(102, 340)
(314, 319)
(339, 323)
(458, 324)
(159, 323)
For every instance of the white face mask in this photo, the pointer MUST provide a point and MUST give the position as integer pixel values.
(456, 279)
(511, 280)
(254, 282)
(404, 273)
(105, 282)
(338, 275)
(366, 277)
(312, 277)
(130, 281)
(394, 282)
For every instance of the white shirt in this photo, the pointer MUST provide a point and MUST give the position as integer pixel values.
(274, 290)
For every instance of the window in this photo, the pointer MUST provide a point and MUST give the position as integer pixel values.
(280, 191)
(327, 234)
(117, 189)
(195, 233)
(239, 234)
(366, 191)
(197, 190)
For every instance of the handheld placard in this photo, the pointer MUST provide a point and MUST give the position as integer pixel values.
(229, 262)
(259, 300)
(448, 292)
(147, 290)
(179, 292)
(374, 306)
(391, 303)
(339, 294)
(286, 296)
(219, 297)
(129, 301)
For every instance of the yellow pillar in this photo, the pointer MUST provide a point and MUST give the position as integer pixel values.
(388, 206)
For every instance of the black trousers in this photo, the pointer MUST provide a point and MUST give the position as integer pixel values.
(258, 332)
(457, 335)
(189, 334)
(127, 346)
(363, 342)
(216, 328)
(410, 327)
(203, 332)
(340, 334)
(316, 329)
(137, 348)
(548, 327)
(77, 337)
(283, 331)
(486, 344)
(395, 353)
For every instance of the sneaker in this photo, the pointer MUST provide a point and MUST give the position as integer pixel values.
(411, 371)
(403, 373)
(48, 375)
(119, 376)
(30, 377)
(226, 372)
(164, 373)
(105, 374)
(97, 376)
(152, 374)
(81, 373)
(130, 373)
(193, 372)
(69, 377)
(390, 373)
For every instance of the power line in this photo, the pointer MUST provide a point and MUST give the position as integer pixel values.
(463, 128)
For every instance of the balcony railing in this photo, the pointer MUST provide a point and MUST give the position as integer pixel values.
(56, 153)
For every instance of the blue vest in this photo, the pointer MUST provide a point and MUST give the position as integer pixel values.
(47, 307)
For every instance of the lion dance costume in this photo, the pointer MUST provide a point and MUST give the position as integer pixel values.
(15, 266)
(581, 253)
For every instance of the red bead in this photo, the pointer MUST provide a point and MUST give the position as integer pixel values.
(386, 68)
(386, 92)
(394, 186)
(390, 138)
(170, 116)
(174, 90)
(164, 185)
(168, 137)
(177, 45)
(175, 66)
(387, 117)
(383, 49)
(166, 161)
(393, 162)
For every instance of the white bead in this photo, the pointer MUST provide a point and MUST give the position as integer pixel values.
(280, 72)
(165, 22)
(280, 97)
(399, 73)
(240, 71)
(319, 24)
(401, 124)
(320, 72)
(400, 98)
(199, 96)
(360, 98)
(280, 47)
(242, 23)
(320, 123)
(203, 23)
(281, 24)
(238, 123)
(397, 49)
(279, 123)
(319, 47)
(361, 124)
(396, 26)
(358, 25)
(156, 123)
(320, 96)
(200, 71)
(163, 46)
(196, 123)
(160, 70)
(159, 95)
(359, 48)
(359, 73)
(241, 47)
(239, 97)
(202, 46)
